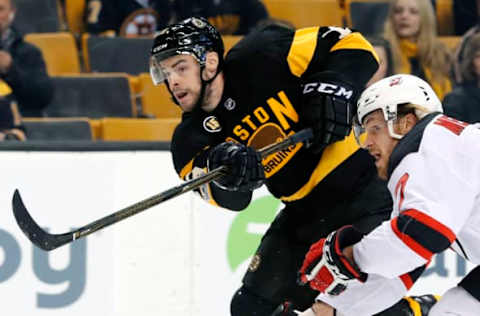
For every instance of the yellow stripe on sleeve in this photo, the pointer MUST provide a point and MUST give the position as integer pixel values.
(414, 305)
(187, 169)
(302, 49)
(4, 88)
(355, 41)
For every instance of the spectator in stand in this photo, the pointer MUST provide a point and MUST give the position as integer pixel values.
(384, 52)
(230, 17)
(132, 18)
(23, 75)
(459, 54)
(10, 121)
(127, 18)
(463, 103)
(412, 32)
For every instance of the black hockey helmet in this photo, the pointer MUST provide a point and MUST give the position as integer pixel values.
(194, 36)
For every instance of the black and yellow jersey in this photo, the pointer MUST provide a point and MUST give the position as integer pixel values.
(264, 74)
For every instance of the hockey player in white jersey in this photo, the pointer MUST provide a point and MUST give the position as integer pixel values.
(432, 165)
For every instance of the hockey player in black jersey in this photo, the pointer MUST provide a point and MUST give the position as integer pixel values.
(273, 83)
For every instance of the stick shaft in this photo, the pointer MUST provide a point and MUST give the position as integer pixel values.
(185, 187)
(47, 241)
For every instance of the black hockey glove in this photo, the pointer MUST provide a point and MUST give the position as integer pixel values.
(245, 169)
(328, 107)
(411, 306)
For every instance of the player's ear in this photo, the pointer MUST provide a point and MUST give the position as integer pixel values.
(211, 62)
(407, 122)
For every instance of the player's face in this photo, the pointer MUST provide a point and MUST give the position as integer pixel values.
(406, 19)
(183, 76)
(378, 141)
(6, 12)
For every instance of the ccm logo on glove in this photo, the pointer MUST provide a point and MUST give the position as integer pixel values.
(328, 88)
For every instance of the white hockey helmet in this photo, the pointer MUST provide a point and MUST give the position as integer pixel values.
(387, 94)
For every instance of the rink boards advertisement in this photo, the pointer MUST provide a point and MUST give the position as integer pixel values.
(183, 257)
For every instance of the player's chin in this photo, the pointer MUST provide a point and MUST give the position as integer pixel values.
(187, 106)
(188, 103)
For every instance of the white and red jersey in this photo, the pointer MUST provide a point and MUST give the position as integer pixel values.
(434, 178)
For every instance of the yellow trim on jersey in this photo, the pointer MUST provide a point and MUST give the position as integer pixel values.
(302, 49)
(189, 166)
(355, 40)
(414, 305)
(5, 89)
(211, 200)
(205, 191)
(332, 157)
(187, 169)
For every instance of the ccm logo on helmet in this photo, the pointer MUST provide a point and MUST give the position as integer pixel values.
(159, 48)
(328, 88)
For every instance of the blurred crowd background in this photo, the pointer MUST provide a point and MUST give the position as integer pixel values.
(78, 69)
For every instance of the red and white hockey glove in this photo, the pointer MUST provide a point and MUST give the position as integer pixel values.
(325, 268)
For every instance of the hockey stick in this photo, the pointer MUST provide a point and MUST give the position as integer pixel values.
(47, 241)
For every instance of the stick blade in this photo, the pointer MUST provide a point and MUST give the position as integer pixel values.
(30, 228)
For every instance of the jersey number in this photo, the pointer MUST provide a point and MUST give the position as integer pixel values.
(94, 8)
(401, 185)
(451, 124)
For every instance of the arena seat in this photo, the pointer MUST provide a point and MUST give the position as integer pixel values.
(156, 100)
(109, 54)
(34, 16)
(74, 14)
(117, 129)
(445, 19)
(92, 96)
(59, 51)
(57, 128)
(366, 16)
(305, 13)
(116, 54)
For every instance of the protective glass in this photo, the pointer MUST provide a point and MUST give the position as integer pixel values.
(157, 72)
(372, 131)
(161, 73)
(359, 132)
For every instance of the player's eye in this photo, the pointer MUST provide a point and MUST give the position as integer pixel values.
(373, 129)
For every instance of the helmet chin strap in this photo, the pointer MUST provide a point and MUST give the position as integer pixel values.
(205, 83)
